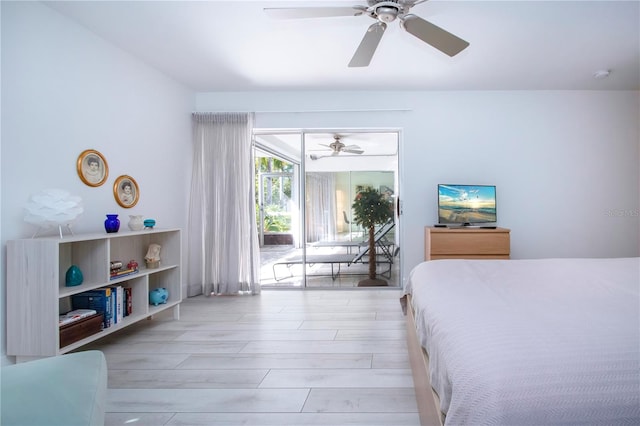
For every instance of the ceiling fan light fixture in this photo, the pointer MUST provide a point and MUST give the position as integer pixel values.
(336, 146)
(386, 13)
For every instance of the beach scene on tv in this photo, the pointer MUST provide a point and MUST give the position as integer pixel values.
(466, 204)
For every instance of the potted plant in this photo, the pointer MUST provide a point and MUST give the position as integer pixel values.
(371, 208)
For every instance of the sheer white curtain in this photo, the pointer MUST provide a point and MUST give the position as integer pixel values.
(223, 255)
(321, 206)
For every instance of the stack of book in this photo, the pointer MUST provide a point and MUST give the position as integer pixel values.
(119, 271)
(113, 302)
(75, 315)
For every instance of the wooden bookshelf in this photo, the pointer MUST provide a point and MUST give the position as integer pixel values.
(37, 293)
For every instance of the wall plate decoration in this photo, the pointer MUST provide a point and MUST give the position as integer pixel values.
(126, 191)
(92, 167)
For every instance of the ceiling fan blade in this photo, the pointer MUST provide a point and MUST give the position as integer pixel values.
(368, 45)
(434, 35)
(312, 12)
(353, 150)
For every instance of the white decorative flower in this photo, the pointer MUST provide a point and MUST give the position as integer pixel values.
(53, 207)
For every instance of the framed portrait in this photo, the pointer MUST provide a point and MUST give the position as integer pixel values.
(126, 191)
(92, 167)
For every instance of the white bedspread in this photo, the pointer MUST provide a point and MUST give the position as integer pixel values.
(532, 342)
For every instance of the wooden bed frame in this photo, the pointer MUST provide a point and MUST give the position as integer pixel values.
(427, 399)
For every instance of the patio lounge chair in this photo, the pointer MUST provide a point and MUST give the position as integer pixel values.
(337, 260)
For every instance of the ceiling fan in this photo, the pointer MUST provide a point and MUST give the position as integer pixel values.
(338, 147)
(383, 12)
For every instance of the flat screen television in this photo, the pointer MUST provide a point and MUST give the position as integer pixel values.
(466, 204)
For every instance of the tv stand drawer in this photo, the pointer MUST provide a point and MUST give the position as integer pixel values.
(466, 243)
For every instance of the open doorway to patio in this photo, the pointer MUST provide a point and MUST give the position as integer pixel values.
(306, 184)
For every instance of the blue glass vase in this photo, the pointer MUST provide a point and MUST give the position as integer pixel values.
(112, 224)
(73, 276)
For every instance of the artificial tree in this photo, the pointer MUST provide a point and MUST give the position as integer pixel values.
(371, 208)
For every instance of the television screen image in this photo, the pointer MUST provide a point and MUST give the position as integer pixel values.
(466, 204)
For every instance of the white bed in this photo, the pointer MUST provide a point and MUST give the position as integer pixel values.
(530, 342)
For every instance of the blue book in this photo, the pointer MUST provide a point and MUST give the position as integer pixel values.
(99, 300)
(117, 293)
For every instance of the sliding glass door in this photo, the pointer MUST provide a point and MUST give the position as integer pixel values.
(306, 183)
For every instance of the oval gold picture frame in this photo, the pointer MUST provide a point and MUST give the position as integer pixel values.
(126, 191)
(92, 167)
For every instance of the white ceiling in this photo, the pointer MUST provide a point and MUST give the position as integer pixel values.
(515, 45)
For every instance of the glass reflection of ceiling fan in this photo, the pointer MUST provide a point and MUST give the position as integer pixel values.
(338, 147)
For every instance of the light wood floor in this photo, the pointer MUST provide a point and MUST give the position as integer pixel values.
(286, 357)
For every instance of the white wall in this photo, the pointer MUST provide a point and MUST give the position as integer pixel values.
(65, 90)
(566, 163)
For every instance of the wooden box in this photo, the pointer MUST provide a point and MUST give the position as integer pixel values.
(80, 329)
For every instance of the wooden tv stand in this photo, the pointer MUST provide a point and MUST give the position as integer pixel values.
(466, 243)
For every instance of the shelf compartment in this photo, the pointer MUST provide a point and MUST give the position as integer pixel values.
(83, 254)
(135, 247)
(169, 279)
(85, 327)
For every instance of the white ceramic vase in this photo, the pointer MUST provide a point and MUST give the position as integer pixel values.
(135, 222)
